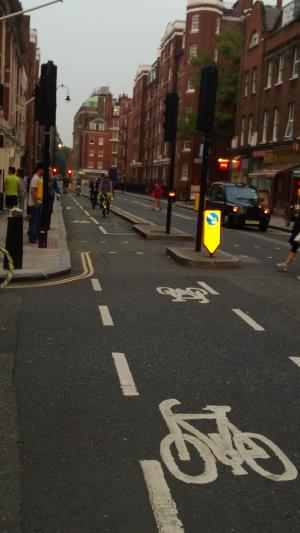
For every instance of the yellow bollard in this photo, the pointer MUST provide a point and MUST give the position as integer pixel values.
(197, 203)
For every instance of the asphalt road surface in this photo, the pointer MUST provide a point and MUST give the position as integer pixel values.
(154, 397)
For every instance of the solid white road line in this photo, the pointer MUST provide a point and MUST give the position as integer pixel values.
(183, 216)
(105, 315)
(296, 360)
(126, 380)
(95, 221)
(248, 320)
(208, 288)
(162, 503)
(96, 285)
(103, 230)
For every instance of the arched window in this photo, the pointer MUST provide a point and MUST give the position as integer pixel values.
(254, 39)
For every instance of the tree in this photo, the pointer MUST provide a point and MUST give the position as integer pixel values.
(229, 46)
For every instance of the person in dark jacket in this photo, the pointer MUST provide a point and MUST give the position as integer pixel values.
(53, 190)
(295, 246)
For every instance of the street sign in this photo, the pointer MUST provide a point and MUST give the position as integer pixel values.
(212, 230)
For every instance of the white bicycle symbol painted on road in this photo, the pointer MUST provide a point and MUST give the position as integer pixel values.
(229, 446)
(191, 293)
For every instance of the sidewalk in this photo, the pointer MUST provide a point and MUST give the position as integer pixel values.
(39, 263)
(276, 221)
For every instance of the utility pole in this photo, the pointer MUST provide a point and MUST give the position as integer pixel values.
(45, 94)
(205, 125)
(171, 117)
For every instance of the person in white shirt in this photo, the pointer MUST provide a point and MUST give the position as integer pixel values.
(34, 204)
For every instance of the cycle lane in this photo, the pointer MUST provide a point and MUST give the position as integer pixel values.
(232, 367)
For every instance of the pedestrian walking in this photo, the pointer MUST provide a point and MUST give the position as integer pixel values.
(23, 188)
(295, 243)
(34, 203)
(157, 194)
(94, 191)
(11, 188)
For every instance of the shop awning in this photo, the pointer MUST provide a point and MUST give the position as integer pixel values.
(271, 171)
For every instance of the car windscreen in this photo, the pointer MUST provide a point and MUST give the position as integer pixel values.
(241, 193)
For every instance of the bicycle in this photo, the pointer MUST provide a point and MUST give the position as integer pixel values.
(11, 268)
(105, 205)
(229, 446)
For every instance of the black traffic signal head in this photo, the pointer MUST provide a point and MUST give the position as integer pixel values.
(207, 100)
(171, 115)
(45, 95)
(172, 196)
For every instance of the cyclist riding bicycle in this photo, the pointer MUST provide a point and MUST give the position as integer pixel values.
(106, 191)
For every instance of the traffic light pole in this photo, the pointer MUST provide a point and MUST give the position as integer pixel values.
(203, 187)
(171, 185)
(43, 233)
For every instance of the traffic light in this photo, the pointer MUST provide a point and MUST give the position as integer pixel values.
(45, 95)
(207, 100)
(171, 114)
(298, 188)
(223, 164)
(172, 196)
(70, 172)
(54, 171)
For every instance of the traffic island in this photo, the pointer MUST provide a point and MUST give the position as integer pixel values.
(155, 232)
(189, 257)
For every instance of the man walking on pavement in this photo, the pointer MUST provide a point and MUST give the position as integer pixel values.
(34, 204)
(12, 188)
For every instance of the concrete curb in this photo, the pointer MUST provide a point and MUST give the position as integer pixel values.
(188, 257)
(159, 233)
(37, 275)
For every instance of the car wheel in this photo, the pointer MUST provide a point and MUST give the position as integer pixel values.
(263, 227)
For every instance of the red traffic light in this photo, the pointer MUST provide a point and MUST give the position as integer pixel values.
(54, 170)
(70, 172)
(223, 164)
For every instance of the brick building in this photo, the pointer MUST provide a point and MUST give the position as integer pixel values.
(148, 158)
(268, 118)
(19, 67)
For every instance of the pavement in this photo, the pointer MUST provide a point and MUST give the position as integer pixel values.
(41, 263)
(101, 365)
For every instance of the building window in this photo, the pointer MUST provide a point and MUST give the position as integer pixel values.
(193, 51)
(115, 135)
(185, 172)
(269, 74)
(91, 153)
(100, 165)
(290, 124)
(246, 84)
(254, 77)
(296, 63)
(93, 126)
(250, 128)
(243, 131)
(275, 124)
(114, 161)
(101, 126)
(114, 148)
(265, 126)
(187, 146)
(191, 86)
(280, 68)
(195, 23)
(101, 141)
(218, 27)
(92, 140)
(254, 39)
(100, 153)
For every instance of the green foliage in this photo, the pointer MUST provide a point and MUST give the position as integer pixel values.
(229, 45)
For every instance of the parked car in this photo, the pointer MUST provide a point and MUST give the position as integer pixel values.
(239, 203)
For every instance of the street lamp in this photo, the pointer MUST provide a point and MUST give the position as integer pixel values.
(68, 100)
(23, 11)
(63, 86)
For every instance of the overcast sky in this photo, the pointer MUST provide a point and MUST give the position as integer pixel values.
(99, 42)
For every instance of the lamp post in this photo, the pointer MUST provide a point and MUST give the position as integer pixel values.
(24, 11)
(68, 100)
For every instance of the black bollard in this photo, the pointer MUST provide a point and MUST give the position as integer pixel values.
(14, 240)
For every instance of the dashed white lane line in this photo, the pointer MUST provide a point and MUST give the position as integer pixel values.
(296, 360)
(96, 285)
(86, 213)
(139, 253)
(113, 253)
(208, 288)
(183, 216)
(126, 379)
(95, 221)
(105, 315)
(248, 320)
(103, 230)
(163, 505)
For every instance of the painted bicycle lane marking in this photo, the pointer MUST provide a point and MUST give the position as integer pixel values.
(199, 294)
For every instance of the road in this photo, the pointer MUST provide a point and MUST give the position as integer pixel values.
(102, 363)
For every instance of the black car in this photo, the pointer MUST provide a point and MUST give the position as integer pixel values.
(239, 203)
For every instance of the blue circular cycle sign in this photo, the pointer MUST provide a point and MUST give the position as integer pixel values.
(212, 219)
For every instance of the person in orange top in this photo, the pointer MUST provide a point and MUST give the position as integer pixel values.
(157, 194)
